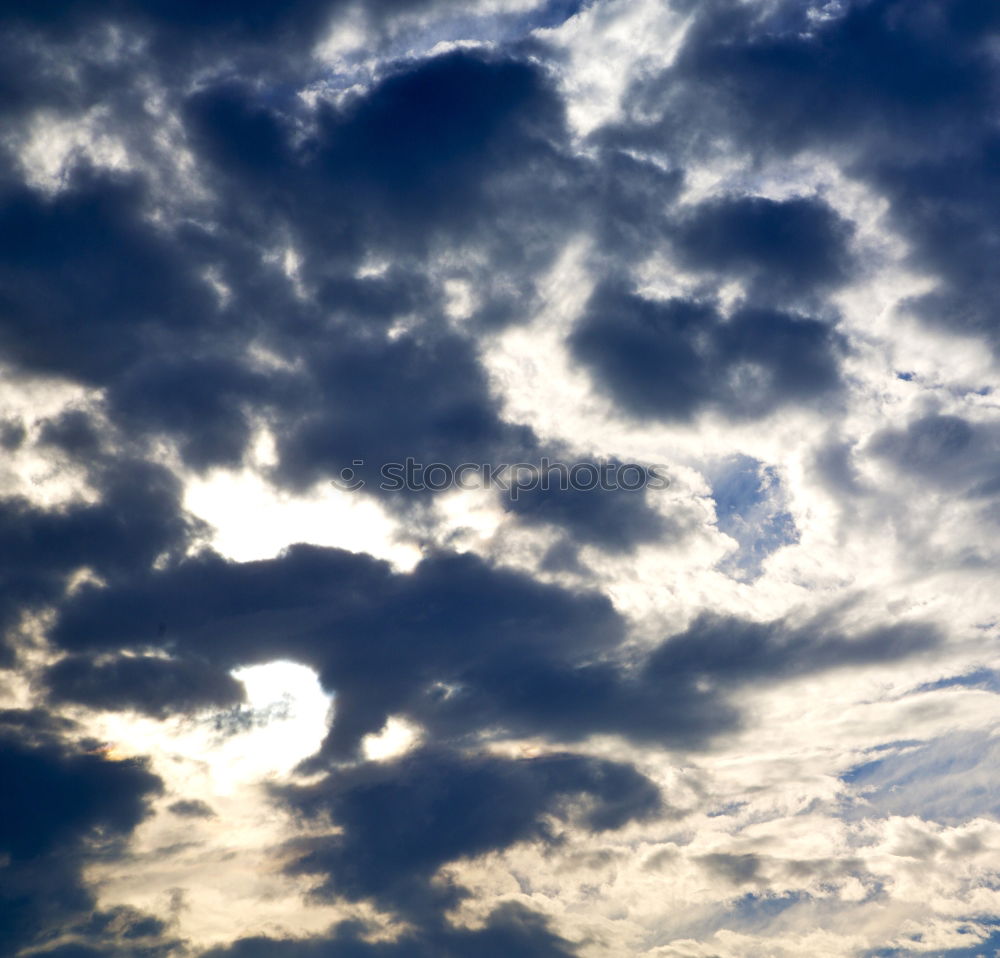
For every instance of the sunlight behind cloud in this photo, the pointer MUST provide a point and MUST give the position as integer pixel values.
(395, 738)
(253, 521)
(216, 753)
(215, 825)
(293, 711)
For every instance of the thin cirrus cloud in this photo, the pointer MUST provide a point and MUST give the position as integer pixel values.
(247, 250)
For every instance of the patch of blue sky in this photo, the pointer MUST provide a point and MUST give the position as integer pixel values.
(749, 913)
(978, 947)
(949, 780)
(983, 678)
(751, 507)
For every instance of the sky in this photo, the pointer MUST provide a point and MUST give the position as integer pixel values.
(740, 698)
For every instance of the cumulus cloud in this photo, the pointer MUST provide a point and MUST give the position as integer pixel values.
(248, 250)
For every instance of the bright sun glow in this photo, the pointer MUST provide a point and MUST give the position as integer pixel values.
(283, 721)
(277, 681)
(289, 713)
(220, 759)
(252, 521)
(395, 738)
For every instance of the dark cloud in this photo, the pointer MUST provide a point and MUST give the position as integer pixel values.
(427, 146)
(946, 208)
(927, 445)
(630, 198)
(204, 404)
(606, 503)
(456, 643)
(35, 78)
(462, 648)
(34, 725)
(191, 808)
(837, 469)
(245, 140)
(61, 802)
(777, 85)
(379, 402)
(185, 37)
(74, 433)
(110, 285)
(670, 359)
(730, 650)
(940, 77)
(120, 932)
(12, 435)
(256, 15)
(789, 246)
(54, 796)
(462, 148)
(737, 869)
(378, 639)
(676, 696)
(136, 520)
(95, 293)
(87, 286)
(945, 451)
(511, 929)
(465, 147)
(273, 259)
(151, 685)
(402, 821)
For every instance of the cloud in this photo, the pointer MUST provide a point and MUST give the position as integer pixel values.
(786, 246)
(946, 780)
(86, 252)
(671, 359)
(451, 614)
(191, 808)
(462, 648)
(946, 451)
(252, 245)
(59, 798)
(377, 403)
(755, 79)
(146, 684)
(136, 520)
(614, 519)
(511, 929)
(402, 821)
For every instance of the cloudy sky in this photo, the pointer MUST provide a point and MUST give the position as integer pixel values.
(257, 703)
